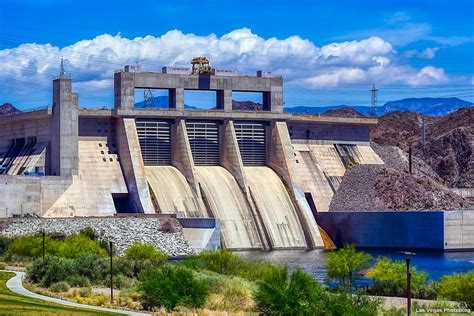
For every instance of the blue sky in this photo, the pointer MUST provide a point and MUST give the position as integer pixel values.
(329, 52)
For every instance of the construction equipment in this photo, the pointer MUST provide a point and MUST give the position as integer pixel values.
(201, 65)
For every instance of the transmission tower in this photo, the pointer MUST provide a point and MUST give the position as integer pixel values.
(373, 101)
(148, 98)
(62, 72)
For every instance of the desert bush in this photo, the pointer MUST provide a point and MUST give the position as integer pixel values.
(458, 287)
(256, 270)
(89, 233)
(2, 266)
(78, 280)
(75, 245)
(50, 270)
(144, 256)
(61, 286)
(343, 264)
(122, 281)
(85, 292)
(222, 262)
(92, 266)
(278, 294)
(346, 303)
(229, 293)
(170, 286)
(390, 278)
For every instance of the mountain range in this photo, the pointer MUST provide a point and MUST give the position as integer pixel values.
(426, 106)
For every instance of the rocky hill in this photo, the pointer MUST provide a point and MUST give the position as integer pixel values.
(344, 111)
(449, 148)
(8, 109)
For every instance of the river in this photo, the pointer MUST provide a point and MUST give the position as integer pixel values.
(436, 264)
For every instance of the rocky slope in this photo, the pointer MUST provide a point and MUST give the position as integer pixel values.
(392, 187)
(449, 148)
(344, 111)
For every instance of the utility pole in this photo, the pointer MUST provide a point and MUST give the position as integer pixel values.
(43, 233)
(111, 273)
(423, 129)
(373, 103)
(410, 160)
(407, 261)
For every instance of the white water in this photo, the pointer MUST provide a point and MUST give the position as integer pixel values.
(173, 193)
(275, 207)
(228, 203)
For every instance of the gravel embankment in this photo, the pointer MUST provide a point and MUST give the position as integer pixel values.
(122, 231)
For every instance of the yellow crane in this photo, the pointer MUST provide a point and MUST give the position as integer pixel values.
(201, 65)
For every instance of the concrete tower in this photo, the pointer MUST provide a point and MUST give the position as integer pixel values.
(64, 129)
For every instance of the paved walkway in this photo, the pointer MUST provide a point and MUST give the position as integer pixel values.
(15, 284)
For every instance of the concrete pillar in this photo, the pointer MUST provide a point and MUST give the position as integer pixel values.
(124, 90)
(224, 100)
(181, 155)
(176, 98)
(230, 154)
(133, 166)
(281, 158)
(64, 152)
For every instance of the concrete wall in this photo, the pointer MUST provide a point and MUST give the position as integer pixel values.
(313, 132)
(399, 230)
(459, 230)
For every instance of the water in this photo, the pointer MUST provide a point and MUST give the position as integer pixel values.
(434, 263)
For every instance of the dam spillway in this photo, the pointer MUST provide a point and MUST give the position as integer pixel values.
(227, 202)
(276, 208)
(172, 193)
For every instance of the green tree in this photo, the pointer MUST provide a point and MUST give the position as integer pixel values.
(75, 245)
(390, 277)
(171, 286)
(342, 264)
(277, 294)
(458, 287)
(31, 246)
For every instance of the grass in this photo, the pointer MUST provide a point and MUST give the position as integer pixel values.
(15, 304)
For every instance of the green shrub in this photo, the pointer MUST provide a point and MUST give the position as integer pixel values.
(123, 282)
(229, 293)
(31, 246)
(50, 270)
(2, 266)
(458, 287)
(223, 262)
(343, 264)
(89, 233)
(144, 256)
(390, 278)
(170, 286)
(78, 281)
(75, 245)
(256, 270)
(345, 303)
(5, 243)
(59, 287)
(92, 266)
(85, 292)
(277, 294)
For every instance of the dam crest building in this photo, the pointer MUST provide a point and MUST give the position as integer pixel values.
(263, 173)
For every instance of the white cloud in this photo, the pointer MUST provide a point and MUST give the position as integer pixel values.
(427, 53)
(428, 75)
(91, 63)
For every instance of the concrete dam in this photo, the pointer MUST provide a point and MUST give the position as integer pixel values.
(264, 174)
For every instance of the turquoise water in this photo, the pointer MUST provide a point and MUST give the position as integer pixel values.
(434, 263)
